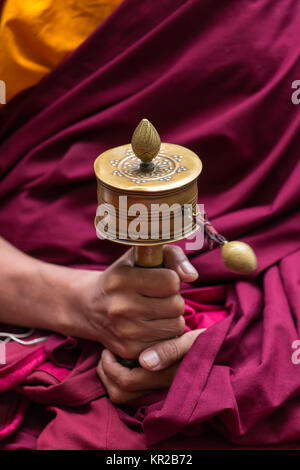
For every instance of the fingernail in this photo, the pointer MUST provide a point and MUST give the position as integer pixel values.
(106, 355)
(103, 354)
(188, 268)
(151, 359)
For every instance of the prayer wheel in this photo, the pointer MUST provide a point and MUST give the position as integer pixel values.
(143, 185)
(147, 196)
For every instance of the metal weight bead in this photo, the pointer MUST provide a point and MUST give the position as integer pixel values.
(239, 257)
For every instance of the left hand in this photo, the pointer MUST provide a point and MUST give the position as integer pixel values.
(159, 364)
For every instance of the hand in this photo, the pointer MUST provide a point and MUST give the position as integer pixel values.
(159, 365)
(130, 308)
(125, 308)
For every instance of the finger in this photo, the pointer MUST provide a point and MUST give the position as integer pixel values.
(158, 330)
(141, 331)
(135, 307)
(157, 309)
(137, 379)
(164, 354)
(129, 349)
(116, 394)
(175, 258)
(156, 282)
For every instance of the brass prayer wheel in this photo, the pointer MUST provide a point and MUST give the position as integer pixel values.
(138, 184)
(145, 183)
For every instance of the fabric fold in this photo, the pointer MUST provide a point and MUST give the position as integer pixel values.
(217, 80)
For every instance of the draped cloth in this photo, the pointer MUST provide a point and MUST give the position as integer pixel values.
(33, 36)
(216, 79)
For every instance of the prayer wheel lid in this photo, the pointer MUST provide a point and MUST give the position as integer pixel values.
(147, 164)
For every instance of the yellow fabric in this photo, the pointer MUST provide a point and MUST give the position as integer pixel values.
(35, 35)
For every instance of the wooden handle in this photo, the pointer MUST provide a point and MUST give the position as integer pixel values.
(148, 256)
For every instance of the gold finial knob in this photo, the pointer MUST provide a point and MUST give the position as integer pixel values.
(145, 143)
(239, 257)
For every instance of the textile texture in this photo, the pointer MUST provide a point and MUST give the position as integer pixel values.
(214, 78)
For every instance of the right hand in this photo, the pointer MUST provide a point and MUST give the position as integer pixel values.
(132, 308)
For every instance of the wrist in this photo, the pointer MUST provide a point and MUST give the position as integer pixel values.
(77, 290)
(45, 296)
(53, 295)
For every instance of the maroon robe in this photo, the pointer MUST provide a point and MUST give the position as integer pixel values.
(216, 78)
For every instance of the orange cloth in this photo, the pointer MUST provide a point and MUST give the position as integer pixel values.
(36, 35)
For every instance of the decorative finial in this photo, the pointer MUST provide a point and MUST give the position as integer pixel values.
(239, 257)
(145, 144)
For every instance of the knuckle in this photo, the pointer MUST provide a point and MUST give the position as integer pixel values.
(112, 283)
(132, 351)
(124, 332)
(177, 326)
(177, 250)
(173, 250)
(118, 309)
(172, 281)
(115, 396)
(119, 332)
(170, 351)
(179, 305)
(180, 326)
(128, 350)
(125, 382)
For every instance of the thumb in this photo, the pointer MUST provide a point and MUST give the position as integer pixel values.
(166, 353)
(175, 258)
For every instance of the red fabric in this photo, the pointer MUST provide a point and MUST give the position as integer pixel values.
(216, 79)
(53, 374)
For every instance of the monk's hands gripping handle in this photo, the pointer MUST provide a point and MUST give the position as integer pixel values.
(144, 306)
